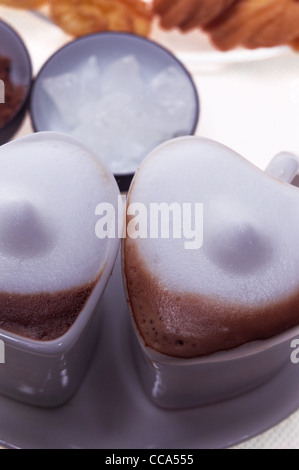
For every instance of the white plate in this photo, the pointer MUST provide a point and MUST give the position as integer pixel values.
(111, 411)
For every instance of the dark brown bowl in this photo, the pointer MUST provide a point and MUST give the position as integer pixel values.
(13, 47)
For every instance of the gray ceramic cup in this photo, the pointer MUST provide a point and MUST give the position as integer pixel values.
(47, 374)
(175, 383)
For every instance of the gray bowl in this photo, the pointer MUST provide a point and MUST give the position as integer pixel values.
(12, 46)
(107, 47)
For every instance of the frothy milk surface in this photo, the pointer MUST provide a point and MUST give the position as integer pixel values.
(48, 194)
(242, 284)
(249, 250)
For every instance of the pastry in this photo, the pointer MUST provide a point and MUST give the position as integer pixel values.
(257, 23)
(189, 14)
(234, 23)
(79, 18)
(23, 3)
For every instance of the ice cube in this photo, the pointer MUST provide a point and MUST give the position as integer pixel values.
(112, 109)
(174, 100)
(63, 91)
(168, 85)
(87, 135)
(90, 78)
(123, 75)
(121, 117)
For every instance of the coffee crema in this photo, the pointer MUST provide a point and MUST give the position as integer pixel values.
(185, 325)
(43, 316)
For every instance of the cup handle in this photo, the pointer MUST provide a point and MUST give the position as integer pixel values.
(284, 167)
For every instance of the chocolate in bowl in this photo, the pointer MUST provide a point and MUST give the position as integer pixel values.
(17, 88)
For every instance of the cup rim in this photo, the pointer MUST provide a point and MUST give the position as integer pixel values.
(241, 352)
(65, 341)
(27, 57)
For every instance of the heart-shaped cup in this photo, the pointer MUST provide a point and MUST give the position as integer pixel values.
(211, 269)
(54, 268)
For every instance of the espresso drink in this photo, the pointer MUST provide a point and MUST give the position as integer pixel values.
(241, 283)
(50, 256)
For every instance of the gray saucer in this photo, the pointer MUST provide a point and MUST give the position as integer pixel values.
(111, 410)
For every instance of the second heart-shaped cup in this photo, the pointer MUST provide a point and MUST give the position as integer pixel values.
(211, 269)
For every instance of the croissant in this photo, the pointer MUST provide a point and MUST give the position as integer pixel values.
(23, 3)
(189, 14)
(257, 23)
(233, 23)
(80, 17)
(83, 17)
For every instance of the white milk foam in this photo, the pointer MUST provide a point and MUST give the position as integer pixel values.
(50, 187)
(250, 251)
